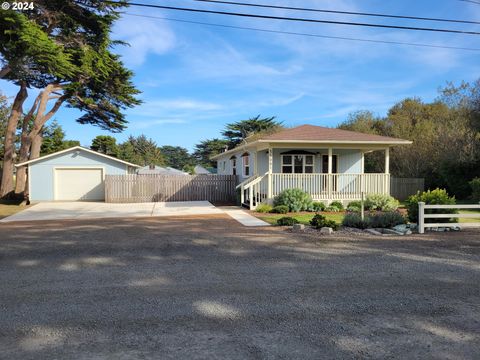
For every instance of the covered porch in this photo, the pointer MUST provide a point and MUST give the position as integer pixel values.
(319, 173)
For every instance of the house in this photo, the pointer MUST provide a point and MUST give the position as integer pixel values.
(159, 170)
(76, 173)
(325, 162)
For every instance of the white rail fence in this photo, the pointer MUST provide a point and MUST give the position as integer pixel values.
(422, 216)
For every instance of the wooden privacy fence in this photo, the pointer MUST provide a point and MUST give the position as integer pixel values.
(402, 188)
(156, 188)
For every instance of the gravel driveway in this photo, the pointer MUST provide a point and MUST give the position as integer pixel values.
(209, 288)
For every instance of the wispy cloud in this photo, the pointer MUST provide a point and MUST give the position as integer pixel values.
(144, 36)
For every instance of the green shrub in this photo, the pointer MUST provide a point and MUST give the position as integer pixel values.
(287, 221)
(333, 208)
(319, 221)
(337, 204)
(430, 197)
(475, 185)
(280, 209)
(354, 220)
(355, 206)
(382, 202)
(318, 206)
(387, 219)
(296, 200)
(264, 208)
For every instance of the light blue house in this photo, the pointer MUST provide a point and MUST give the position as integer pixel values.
(327, 163)
(73, 174)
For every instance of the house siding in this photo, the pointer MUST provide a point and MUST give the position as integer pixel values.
(349, 160)
(41, 176)
(228, 164)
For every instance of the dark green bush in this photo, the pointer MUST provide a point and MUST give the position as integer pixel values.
(280, 209)
(430, 197)
(354, 220)
(319, 221)
(354, 206)
(287, 221)
(318, 206)
(475, 185)
(296, 200)
(387, 219)
(264, 208)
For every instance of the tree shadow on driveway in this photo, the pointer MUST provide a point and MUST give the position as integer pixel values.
(207, 287)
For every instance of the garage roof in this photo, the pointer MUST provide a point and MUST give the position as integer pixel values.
(77, 148)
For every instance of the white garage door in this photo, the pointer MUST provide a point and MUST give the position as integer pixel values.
(79, 184)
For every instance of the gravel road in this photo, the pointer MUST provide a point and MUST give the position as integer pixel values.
(209, 288)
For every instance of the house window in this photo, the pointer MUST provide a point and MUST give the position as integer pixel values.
(223, 165)
(233, 161)
(297, 164)
(246, 164)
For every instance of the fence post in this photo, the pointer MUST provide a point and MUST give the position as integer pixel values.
(362, 206)
(421, 217)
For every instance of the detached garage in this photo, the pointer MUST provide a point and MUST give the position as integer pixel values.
(75, 174)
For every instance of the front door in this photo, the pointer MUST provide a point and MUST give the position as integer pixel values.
(334, 170)
(325, 164)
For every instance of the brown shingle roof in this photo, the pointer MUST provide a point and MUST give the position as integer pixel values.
(319, 133)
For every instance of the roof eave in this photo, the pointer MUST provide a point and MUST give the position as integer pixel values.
(77, 148)
(235, 149)
(359, 142)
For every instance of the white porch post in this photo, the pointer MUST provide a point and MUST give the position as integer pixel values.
(387, 170)
(387, 160)
(362, 173)
(270, 171)
(255, 164)
(330, 176)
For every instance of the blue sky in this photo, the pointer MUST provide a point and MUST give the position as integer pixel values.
(194, 79)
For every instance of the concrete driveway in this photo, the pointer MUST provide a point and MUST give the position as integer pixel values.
(95, 210)
(209, 288)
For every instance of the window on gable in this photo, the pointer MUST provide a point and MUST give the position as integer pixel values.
(246, 164)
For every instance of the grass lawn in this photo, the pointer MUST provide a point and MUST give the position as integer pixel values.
(10, 208)
(303, 217)
(466, 220)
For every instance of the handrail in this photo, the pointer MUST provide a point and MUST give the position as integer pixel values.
(254, 182)
(246, 181)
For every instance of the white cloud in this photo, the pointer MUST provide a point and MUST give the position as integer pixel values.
(145, 36)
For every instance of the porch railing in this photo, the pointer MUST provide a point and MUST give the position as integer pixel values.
(333, 186)
(322, 187)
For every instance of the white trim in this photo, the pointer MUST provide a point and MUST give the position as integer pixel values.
(348, 144)
(379, 142)
(244, 174)
(89, 167)
(77, 148)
